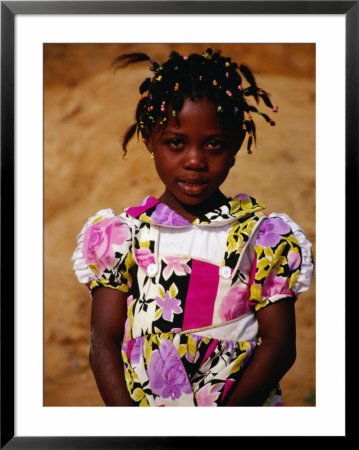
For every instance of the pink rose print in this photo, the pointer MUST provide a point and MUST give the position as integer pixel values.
(175, 264)
(208, 394)
(275, 285)
(167, 374)
(127, 323)
(293, 260)
(99, 240)
(234, 304)
(144, 257)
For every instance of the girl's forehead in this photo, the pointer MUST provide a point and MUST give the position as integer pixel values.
(196, 117)
(203, 112)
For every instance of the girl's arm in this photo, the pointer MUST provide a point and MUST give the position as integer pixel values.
(107, 326)
(272, 359)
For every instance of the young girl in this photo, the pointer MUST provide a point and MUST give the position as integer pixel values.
(193, 293)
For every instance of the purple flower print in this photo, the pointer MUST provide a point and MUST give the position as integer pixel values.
(164, 215)
(144, 257)
(170, 306)
(242, 196)
(234, 303)
(275, 285)
(177, 265)
(137, 350)
(270, 232)
(166, 373)
(99, 240)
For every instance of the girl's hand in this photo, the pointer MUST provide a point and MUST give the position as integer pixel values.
(272, 359)
(108, 318)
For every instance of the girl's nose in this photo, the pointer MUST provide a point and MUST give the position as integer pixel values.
(195, 159)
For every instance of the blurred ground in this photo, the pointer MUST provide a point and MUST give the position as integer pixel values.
(87, 110)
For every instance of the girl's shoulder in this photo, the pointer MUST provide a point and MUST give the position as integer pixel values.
(103, 240)
(281, 240)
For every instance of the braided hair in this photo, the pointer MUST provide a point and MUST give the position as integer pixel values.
(209, 76)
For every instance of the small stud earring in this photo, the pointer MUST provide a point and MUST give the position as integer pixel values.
(152, 156)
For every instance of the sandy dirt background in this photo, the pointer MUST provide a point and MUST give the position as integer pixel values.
(87, 108)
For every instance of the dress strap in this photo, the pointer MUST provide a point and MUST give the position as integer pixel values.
(241, 233)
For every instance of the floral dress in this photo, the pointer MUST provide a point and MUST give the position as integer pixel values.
(193, 290)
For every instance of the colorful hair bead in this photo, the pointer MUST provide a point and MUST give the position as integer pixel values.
(219, 108)
(185, 58)
(275, 108)
(159, 78)
(229, 93)
(176, 86)
(240, 87)
(174, 113)
(227, 74)
(214, 82)
(200, 77)
(163, 106)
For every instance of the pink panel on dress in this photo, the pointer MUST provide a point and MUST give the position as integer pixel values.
(201, 295)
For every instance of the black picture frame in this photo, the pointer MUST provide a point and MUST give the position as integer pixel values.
(9, 9)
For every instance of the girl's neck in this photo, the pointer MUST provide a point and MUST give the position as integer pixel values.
(192, 212)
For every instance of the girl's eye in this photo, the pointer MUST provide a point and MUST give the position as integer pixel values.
(216, 145)
(175, 144)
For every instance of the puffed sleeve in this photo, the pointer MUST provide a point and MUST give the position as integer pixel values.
(103, 255)
(283, 264)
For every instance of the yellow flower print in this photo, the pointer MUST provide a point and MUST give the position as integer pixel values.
(270, 259)
(191, 346)
(234, 238)
(144, 217)
(129, 261)
(139, 395)
(182, 350)
(94, 268)
(97, 220)
(293, 279)
(237, 364)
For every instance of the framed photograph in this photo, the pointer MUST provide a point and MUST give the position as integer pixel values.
(62, 120)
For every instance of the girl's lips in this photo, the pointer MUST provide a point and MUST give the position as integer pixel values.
(192, 187)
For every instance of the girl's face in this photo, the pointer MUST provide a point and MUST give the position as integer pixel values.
(192, 157)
